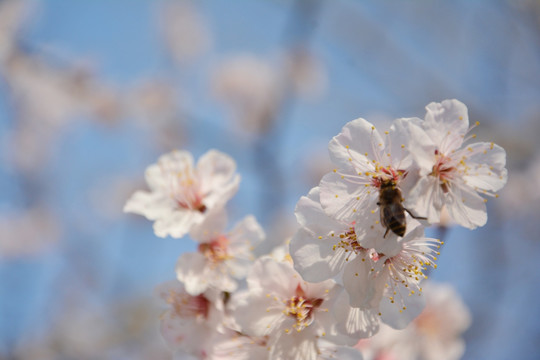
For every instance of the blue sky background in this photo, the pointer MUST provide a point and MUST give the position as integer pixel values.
(382, 60)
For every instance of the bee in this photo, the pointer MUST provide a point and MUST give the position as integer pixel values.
(391, 208)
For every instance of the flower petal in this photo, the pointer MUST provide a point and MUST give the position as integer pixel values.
(487, 167)
(355, 322)
(152, 205)
(177, 223)
(466, 207)
(394, 315)
(365, 291)
(191, 270)
(357, 138)
(447, 123)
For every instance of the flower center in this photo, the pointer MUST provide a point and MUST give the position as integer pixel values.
(184, 189)
(443, 169)
(301, 309)
(186, 306)
(216, 250)
(384, 175)
(348, 242)
(407, 269)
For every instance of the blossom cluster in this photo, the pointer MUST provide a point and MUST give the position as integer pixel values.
(358, 260)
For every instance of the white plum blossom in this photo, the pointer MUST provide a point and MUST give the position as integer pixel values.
(366, 162)
(181, 194)
(291, 312)
(371, 267)
(222, 256)
(189, 322)
(434, 335)
(390, 280)
(322, 246)
(453, 173)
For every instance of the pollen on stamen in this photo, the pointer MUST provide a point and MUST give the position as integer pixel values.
(402, 146)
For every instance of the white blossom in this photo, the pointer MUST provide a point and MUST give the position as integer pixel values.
(365, 163)
(452, 173)
(434, 335)
(291, 312)
(222, 256)
(182, 195)
(190, 322)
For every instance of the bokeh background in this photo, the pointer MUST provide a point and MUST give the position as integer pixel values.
(92, 92)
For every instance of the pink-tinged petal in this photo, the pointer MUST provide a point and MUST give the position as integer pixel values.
(341, 199)
(486, 166)
(215, 221)
(355, 322)
(426, 199)
(394, 314)
(365, 291)
(215, 169)
(315, 259)
(447, 123)
(184, 334)
(191, 270)
(357, 138)
(177, 223)
(466, 207)
(163, 290)
(150, 205)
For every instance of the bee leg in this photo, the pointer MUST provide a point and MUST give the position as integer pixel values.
(386, 232)
(414, 216)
